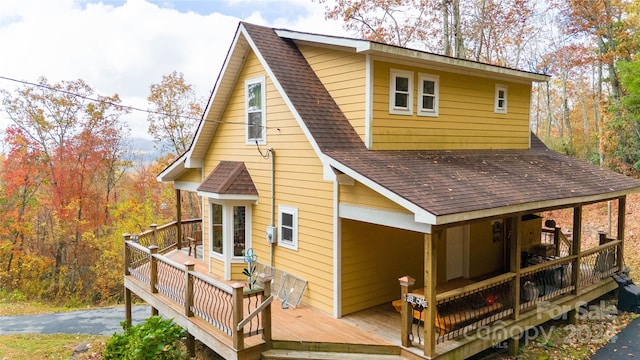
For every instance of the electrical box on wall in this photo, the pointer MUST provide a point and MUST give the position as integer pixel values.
(271, 234)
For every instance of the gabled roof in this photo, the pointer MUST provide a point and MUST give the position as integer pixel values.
(229, 180)
(437, 186)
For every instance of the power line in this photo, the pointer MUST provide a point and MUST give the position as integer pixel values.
(133, 108)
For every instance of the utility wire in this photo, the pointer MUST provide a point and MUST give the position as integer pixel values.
(133, 108)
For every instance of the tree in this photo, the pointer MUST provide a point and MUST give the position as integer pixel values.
(68, 143)
(174, 113)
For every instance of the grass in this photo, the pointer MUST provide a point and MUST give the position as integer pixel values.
(56, 346)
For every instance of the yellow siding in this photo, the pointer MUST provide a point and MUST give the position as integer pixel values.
(373, 258)
(191, 175)
(343, 74)
(217, 267)
(361, 195)
(466, 114)
(299, 184)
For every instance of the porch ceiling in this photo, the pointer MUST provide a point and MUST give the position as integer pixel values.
(463, 185)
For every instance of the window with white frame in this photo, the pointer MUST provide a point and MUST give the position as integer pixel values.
(230, 230)
(288, 229)
(401, 92)
(255, 110)
(428, 88)
(217, 239)
(501, 99)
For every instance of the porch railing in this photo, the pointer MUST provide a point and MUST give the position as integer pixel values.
(466, 309)
(167, 237)
(557, 238)
(220, 304)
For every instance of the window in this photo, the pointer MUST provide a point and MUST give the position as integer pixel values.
(428, 94)
(501, 99)
(239, 230)
(288, 227)
(255, 110)
(217, 243)
(401, 92)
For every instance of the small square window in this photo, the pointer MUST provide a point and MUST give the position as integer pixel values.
(428, 94)
(401, 92)
(288, 229)
(501, 99)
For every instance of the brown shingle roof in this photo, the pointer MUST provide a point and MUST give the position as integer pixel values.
(451, 182)
(440, 182)
(230, 178)
(320, 113)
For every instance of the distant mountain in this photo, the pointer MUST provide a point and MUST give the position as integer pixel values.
(142, 149)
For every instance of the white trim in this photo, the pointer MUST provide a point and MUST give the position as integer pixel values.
(368, 103)
(400, 110)
(283, 94)
(358, 45)
(383, 217)
(228, 197)
(337, 253)
(496, 107)
(421, 215)
(263, 111)
(174, 170)
(295, 227)
(436, 94)
(186, 185)
(368, 47)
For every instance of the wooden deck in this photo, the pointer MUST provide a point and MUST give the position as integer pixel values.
(375, 330)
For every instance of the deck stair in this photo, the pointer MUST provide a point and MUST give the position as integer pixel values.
(290, 350)
(281, 354)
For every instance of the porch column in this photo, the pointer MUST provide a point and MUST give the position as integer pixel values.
(430, 278)
(575, 251)
(515, 257)
(622, 211)
(178, 219)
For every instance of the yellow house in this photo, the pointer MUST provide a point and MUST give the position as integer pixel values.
(369, 179)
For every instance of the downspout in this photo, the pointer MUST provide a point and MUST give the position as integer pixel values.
(271, 153)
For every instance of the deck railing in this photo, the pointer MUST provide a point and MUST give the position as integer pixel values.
(221, 305)
(545, 281)
(165, 237)
(557, 238)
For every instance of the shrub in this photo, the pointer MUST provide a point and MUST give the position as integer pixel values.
(156, 338)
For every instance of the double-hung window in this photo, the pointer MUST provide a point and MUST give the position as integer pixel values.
(288, 229)
(217, 239)
(255, 110)
(501, 99)
(428, 87)
(401, 92)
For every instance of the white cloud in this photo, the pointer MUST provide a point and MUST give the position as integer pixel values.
(124, 48)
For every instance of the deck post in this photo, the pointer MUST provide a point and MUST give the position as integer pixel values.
(178, 220)
(188, 280)
(265, 279)
(430, 279)
(575, 275)
(406, 283)
(238, 299)
(127, 307)
(515, 246)
(556, 239)
(127, 254)
(154, 235)
(153, 271)
(622, 211)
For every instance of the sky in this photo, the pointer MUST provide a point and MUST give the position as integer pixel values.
(123, 46)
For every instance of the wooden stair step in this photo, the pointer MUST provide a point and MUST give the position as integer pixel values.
(276, 354)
